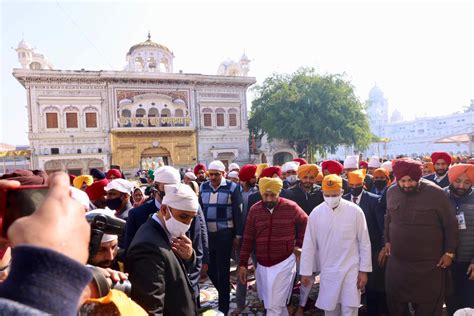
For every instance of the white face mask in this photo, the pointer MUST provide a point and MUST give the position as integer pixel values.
(333, 201)
(292, 179)
(175, 227)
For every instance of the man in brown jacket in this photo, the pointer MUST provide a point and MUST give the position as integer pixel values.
(420, 235)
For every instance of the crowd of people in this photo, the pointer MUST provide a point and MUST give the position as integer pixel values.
(396, 235)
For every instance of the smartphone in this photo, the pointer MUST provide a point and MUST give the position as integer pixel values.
(19, 202)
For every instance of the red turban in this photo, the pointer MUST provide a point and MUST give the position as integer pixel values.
(333, 166)
(71, 179)
(455, 171)
(270, 171)
(247, 172)
(407, 167)
(363, 164)
(27, 177)
(441, 155)
(114, 172)
(96, 190)
(199, 167)
(302, 161)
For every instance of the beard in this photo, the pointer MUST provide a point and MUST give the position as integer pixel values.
(408, 190)
(459, 192)
(441, 172)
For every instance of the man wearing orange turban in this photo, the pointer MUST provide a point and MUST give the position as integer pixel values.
(441, 162)
(428, 168)
(461, 195)
(381, 181)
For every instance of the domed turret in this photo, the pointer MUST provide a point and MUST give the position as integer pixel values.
(150, 56)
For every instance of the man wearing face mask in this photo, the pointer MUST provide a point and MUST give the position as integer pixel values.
(118, 197)
(461, 195)
(276, 227)
(337, 244)
(381, 181)
(161, 254)
(368, 202)
(420, 238)
(335, 167)
(441, 161)
(290, 169)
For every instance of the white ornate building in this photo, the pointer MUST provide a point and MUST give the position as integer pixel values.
(133, 118)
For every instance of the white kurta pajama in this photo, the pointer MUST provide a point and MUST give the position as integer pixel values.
(339, 239)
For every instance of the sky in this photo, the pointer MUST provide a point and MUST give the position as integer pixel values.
(419, 54)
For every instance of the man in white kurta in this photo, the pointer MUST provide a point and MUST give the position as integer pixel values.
(337, 243)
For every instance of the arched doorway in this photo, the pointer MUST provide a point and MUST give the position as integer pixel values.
(152, 158)
(282, 157)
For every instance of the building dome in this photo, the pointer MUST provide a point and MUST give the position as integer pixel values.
(24, 45)
(375, 93)
(148, 44)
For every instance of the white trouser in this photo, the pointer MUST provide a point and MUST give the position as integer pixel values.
(277, 311)
(343, 311)
(304, 291)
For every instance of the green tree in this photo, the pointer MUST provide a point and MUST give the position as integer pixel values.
(315, 113)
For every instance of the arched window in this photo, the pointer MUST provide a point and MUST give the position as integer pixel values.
(165, 113)
(151, 61)
(207, 117)
(233, 118)
(179, 113)
(139, 64)
(220, 117)
(128, 114)
(164, 65)
(35, 65)
(153, 112)
(140, 113)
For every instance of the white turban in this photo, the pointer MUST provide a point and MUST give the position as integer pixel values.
(233, 166)
(109, 212)
(181, 197)
(351, 162)
(290, 165)
(190, 175)
(167, 175)
(120, 185)
(80, 196)
(387, 165)
(233, 174)
(216, 165)
(374, 162)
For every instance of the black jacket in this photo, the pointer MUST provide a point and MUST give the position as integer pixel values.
(159, 278)
(442, 184)
(307, 201)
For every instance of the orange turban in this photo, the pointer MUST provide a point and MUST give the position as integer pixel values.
(307, 169)
(332, 182)
(260, 168)
(381, 172)
(319, 177)
(356, 176)
(455, 171)
(430, 166)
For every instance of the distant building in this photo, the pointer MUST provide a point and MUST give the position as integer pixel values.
(14, 157)
(136, 118)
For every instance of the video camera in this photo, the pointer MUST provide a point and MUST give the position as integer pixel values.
(102, 224)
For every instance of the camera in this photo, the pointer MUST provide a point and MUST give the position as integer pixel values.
(102, 224)
(104, 284)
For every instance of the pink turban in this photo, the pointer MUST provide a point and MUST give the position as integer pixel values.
(407, 167)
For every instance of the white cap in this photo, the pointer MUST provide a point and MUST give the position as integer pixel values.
(120, 185)
(233, 174)
(190, 175)
(351, 162)
(80, 196)
(216, 165)
(109, 212)
(181, 197)
(387, 165)
(374, 162)
(290, 165)
(167, 175)
(233, 166)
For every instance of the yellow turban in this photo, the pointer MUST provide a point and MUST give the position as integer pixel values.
(79, 180)
(332, 182)
(457, 170)
(260, 168)
(273, 185)
(356, 176)
(307, 169)
(122, 303)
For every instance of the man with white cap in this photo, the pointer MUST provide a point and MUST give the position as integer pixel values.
(221, 202)
(351, 164)
(234, 167)
(233, 176)
(161, 254)
(188, 177)
(118, 197)
(290, 169)
(374, 163)
(107, 253)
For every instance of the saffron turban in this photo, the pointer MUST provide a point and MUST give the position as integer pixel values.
(356, 176)
(430, 166)
(457, 170)
(363, 164)
(260, 168)
(96, 173)
(426, 159)
(198, 168)
(247, 172)
(307, 169)
(273, 185)
(181, 197)
(332, 166)
(381, 172)
(332, 182)
(27, 177)
(80, 180)
(319, 177)
(441, 155)
(113, 172)
(302, 161)
(96, 190)
(351, 162)
(270, 171)
(407, 167)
